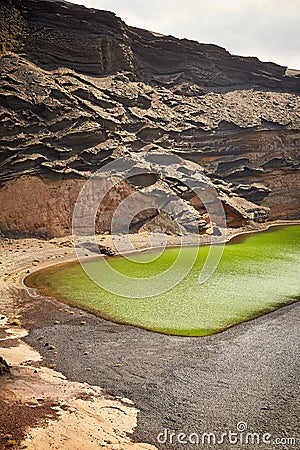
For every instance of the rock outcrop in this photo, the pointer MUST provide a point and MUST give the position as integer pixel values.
(4, 367)
(79, 89)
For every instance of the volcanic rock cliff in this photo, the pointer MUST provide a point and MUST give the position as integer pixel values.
(79, 89)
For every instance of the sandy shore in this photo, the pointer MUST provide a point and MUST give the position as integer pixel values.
(39, 408)
(46, 401)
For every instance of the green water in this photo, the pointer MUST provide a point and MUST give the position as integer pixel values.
(255, 275)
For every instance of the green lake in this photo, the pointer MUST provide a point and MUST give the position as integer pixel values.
(256, 274)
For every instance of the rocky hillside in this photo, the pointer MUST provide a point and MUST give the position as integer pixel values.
(79, 88)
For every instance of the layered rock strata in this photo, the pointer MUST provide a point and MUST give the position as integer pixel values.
(79, 89)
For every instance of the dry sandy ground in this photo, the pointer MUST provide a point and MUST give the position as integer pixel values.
(72, 415)
(39, 408)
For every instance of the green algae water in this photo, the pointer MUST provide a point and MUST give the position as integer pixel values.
(255, 275)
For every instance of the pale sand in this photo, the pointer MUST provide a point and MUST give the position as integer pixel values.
(86, 418)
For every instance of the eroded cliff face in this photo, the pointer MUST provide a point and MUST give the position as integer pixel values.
(79, 89)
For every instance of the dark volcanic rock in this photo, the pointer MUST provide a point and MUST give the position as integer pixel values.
(4, 366)
(59, 34)
(79, 88)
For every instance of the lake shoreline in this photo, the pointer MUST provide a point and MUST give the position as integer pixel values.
(140, 239)
(21, 255)
(140, 316)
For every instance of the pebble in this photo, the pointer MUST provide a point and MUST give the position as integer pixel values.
(7, 436)
(15, 322)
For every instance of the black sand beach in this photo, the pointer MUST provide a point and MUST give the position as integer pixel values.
(248, 373)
